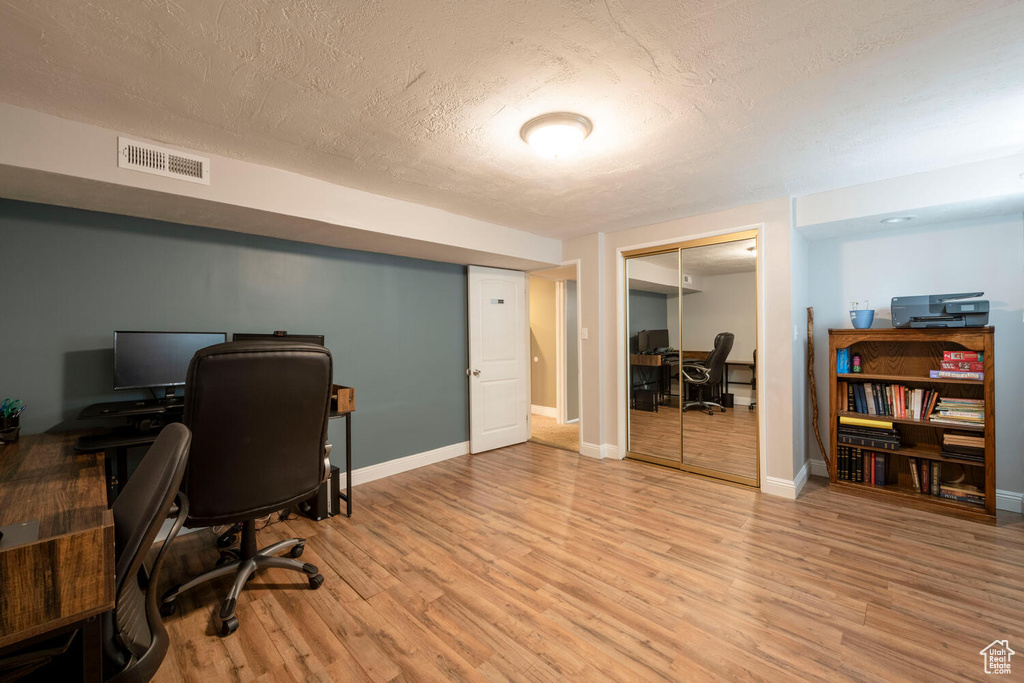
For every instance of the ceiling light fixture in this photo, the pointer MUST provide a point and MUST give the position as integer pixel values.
(898, 219)
(557, 134)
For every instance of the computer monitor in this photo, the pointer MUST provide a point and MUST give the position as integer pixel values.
(657, 339)
(149, 360)
(280, 336)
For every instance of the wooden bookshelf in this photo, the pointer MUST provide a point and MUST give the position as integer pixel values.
(904, 357)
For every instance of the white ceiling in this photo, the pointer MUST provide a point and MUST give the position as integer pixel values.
(696, 106)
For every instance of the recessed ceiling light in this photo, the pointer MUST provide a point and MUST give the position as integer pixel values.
(557, 134)
(898, 219)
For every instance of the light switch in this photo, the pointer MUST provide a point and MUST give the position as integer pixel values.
(584, 333)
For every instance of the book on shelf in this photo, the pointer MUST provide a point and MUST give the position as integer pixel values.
(964, 411)
(935, 476)
(861, 422)
(889, 400)
(977, 356)
(914, 474)
(962, 492)
(842, 361)
(962, 366)
(878, 468)
(955, 374)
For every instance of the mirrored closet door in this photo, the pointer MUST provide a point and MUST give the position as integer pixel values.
(652, 311)
(691, 316)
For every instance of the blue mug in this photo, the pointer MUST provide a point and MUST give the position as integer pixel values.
(862, 319)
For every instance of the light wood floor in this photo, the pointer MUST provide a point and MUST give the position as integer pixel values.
(532, 564)
(726, 442)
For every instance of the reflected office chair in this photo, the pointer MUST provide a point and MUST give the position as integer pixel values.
(753, 382)
(709, 375)
(258, 413)
(134, 638)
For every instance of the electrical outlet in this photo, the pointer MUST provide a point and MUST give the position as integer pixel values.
(796, 333)
(584, 333)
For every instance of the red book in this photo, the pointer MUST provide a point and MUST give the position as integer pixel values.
(962, 365)
(963, 355)
(871, 457)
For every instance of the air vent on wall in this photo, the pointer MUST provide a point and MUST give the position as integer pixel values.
(170, 163)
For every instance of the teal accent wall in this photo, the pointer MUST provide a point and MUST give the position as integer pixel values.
(647, 311)
(396, 326)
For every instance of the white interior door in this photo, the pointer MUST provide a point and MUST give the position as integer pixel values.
(499, 359)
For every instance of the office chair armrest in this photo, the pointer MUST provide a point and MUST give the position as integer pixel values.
(695, 374)
(327, 462)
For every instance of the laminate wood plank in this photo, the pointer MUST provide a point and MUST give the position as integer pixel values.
(534, 564)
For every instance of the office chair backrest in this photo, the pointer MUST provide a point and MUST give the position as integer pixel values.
(258, 413)
(716, 359)
(134, 635)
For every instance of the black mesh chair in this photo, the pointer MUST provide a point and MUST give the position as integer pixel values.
(258, 413)
(707, 376)
(753, 382)
(134, 638)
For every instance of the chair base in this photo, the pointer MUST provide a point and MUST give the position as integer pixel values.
(704, 405)
(247, 561)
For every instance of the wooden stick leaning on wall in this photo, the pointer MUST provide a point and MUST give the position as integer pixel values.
(814, 394)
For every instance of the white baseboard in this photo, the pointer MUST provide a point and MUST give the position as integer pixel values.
(409, 462)
(818, 468)
(544, 411)
(1011, 501)
(784, 488)
(572, 421)
(775, 486)
(593, 450)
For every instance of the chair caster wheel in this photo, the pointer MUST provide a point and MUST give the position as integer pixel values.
(711, 412)
(168, 608)
(223, 560)
(296, 551)
(723, 410)
(227, 540)
(228, 626)
(316, 581)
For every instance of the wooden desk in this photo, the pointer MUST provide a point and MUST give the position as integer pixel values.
(65, 577)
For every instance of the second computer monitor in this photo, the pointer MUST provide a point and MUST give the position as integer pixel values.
(657, 339)
(317, 339)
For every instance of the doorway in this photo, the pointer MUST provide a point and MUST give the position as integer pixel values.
(691, 331)
(554, 358)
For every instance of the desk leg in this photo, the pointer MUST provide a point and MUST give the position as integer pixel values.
(348, 464)
(122, 467)
(92, 650)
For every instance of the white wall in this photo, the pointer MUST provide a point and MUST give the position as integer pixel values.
(543, 375)
(726, 303)
(985, 254)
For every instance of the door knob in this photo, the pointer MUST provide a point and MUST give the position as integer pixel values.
(476, 373)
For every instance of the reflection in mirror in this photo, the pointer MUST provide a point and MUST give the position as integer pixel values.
(653, 328)
(719, 333)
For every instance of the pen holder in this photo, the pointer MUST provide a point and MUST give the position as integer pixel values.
(862, 319)
(9, 429)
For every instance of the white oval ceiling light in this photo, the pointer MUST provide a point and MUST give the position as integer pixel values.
(898, 219)
(557, 134)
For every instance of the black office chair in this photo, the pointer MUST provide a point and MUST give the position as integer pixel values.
(134, 638)
(258, 413)
(708, 375)
(753, 382)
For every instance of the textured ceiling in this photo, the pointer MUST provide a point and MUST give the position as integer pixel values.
(696, 105)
